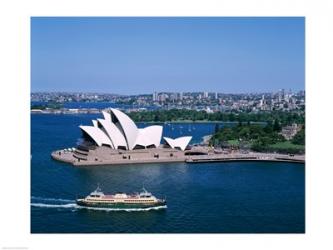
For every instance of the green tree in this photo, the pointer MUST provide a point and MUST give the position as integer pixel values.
(217, 128)
(276, 125)
(299, 138)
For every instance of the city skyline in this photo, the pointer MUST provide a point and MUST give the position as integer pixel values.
(175, 54)
(208, 101)
(289, 90)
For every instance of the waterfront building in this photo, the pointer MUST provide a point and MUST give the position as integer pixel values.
(118, 131)
(115, 139)
(288, 132)
(178, 143)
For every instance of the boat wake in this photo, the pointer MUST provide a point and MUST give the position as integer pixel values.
(69, 205)
(36, 198)
(59, 203)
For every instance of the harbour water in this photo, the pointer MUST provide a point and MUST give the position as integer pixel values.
(238, 197)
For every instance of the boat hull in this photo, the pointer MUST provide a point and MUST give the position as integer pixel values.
(119, 205)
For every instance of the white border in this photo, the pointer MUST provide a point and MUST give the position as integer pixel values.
(15, 125)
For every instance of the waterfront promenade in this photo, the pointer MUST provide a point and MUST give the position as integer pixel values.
(252, 156)
(105, 156)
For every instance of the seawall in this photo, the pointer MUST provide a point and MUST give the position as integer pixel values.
(104, 156)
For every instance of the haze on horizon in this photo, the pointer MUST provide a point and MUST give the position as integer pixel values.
(133, 55)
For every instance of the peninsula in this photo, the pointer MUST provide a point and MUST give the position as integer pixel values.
(117, 140)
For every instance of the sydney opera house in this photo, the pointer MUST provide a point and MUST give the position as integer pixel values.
(118, 131)
(116, 139)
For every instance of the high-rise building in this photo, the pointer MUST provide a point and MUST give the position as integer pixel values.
(262, 101)
(162, 97)
(281, 95)
(173, 97)
(155, 96)
(205, 94)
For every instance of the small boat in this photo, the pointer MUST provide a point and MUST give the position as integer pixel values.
(98, 199)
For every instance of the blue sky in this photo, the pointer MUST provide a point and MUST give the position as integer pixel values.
(132, 55)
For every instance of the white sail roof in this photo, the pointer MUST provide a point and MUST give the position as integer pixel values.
(97, 135)
(128, 126)
(106, 115)
(94, 123)
(118, 130)
(149, 136)
(116, 137)
(180, 142)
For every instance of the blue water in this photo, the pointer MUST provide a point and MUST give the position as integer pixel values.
(97, 105)
(247, 197)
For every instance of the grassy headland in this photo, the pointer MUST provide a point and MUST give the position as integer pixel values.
(259, 138)
(247, 134)
(185, 115)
